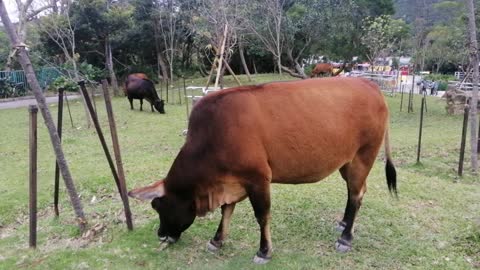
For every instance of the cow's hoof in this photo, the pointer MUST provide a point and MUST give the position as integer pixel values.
(340, 226)
(213, 246)
(259, 260)
(342, 246)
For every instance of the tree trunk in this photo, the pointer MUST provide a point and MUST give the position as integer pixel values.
(242, 58)
(109, 63)
(163, 66)
(57, 147)
(231, 72)
(222, 51)
(472, 29)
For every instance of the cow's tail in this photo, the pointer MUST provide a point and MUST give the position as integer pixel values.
(390, 171)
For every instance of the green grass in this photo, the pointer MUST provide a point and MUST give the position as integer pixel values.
(434, 224)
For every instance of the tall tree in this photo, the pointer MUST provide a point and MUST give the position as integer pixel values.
(210, 24)
(104, 20)
(59, 28)
(47, 116)
(167, 28)
(266, 22)
(380, 34)
(26, 12)
(472, 31)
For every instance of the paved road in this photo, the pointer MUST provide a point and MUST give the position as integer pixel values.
(30, 101)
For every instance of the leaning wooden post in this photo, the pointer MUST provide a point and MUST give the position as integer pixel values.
(93, 98)
(59, 131)
(420, 130)
(26, 64)
(464, 138)
(99, 133)
(33, 175)
(222, 50)
(185, 95)
(118, 156)
(68, 107)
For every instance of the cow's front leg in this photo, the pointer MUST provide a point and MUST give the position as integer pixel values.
(141, 104)
(259, 196)
(223, 228)
(131, 103)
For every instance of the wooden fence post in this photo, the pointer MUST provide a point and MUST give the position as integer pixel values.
(59, 131)
(33, 176)
(26, 64)
(420, 129)
(464, 138)
(118, 156)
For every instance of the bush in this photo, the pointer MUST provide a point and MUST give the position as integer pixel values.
(441, 78)
(92, 73)
(65, 83)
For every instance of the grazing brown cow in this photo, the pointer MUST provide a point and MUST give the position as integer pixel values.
(322, 69)
(138, 86)
(242, 140)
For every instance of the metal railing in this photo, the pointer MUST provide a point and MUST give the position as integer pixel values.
(16, 80)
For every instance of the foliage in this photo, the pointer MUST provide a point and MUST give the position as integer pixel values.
(445, 42)
(9, 89)
(66, 83)
(4, 47)
(91, 73)
(442, 78)
(380, 34)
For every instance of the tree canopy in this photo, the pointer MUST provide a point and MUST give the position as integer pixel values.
(171, 38)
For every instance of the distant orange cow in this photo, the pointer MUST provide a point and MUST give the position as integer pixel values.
(322, 69)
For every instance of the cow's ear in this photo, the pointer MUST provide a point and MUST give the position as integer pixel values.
(150, 192)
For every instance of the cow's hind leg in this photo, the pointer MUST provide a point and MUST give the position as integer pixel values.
(355, 173)
(141, 104)
(259, 196)
(223, 228)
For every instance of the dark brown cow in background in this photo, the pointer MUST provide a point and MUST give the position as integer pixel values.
(242, 140)
(138, 86)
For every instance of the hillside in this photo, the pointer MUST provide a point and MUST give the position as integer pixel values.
(411, 9)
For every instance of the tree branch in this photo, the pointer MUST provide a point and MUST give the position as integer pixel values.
(37, 11)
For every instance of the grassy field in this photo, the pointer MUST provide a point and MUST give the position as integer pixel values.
(435, 223)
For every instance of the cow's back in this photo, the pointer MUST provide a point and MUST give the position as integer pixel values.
(292, 132)
(138, 88)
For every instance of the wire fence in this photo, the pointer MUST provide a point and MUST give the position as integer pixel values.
(14, 83)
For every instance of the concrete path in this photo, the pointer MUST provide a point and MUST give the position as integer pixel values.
(25, 101)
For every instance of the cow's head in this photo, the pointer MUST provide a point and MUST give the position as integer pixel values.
(176, 214)
(158, 104)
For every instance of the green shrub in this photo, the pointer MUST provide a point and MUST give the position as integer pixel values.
(66, 83)
(441, 78)
(91, 72)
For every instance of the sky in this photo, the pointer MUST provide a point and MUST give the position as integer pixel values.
(12, 9)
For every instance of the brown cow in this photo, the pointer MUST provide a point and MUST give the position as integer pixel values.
(322, 69)
(242, 140)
